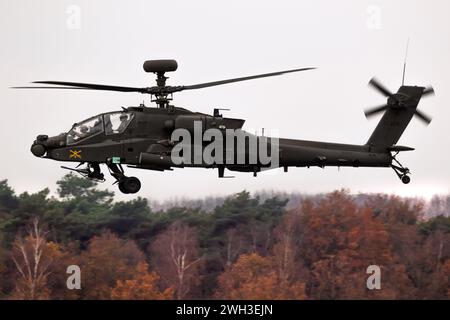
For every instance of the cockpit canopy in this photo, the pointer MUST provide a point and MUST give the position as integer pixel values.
(109, 123)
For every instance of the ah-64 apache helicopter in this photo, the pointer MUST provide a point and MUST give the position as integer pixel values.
(140, 137)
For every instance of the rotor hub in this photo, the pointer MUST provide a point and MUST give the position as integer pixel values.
(161, 91)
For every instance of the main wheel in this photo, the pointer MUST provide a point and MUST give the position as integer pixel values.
(122, 188)
(129, 185)
(406, 179)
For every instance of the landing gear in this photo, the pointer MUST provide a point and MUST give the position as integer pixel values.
(401, 171)
(406, 179)
(129, 185)
(95, 172)
(126, 184)
(92, 171)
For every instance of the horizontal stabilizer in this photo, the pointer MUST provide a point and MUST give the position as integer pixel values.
(400, 148)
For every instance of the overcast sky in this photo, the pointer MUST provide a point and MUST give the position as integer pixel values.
(349, 41)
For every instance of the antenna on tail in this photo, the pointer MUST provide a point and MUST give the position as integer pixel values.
(404, 63)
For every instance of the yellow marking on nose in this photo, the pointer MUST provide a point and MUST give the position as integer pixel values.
(75, 154)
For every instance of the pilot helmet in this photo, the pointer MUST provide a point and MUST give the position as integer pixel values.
(84, 129)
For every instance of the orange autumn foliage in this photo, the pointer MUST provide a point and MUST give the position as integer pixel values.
(34, 258)
(254, 277)
(446, 270)
(143, 286)
(340, 241)
(177, 259)
(107, 259)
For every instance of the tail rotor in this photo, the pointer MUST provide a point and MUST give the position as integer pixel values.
(400, 99)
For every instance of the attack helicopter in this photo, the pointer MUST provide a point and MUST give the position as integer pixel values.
(142, 137)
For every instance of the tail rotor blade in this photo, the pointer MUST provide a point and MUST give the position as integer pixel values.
(373, 111)
(422, 116)
(379, 87)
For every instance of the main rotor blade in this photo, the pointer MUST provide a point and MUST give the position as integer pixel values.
(422, 116)
(428, 91)
(375, 110)
(218, 83)
(92, 86)
(378, 86)
(47, 88)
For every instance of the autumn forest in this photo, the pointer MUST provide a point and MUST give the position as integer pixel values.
(245, 247)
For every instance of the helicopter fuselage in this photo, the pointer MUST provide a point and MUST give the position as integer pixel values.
(147, 143)
(169, 137)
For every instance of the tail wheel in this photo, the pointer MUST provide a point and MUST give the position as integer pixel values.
(406, 179)
(401, 171)
(129, 185)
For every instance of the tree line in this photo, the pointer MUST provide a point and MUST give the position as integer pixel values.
(246, 247)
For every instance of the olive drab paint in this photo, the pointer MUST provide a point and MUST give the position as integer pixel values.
(168, 137)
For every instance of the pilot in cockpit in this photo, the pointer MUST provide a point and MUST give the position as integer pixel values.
(97, 126)
(123, 122)
(84, 132)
